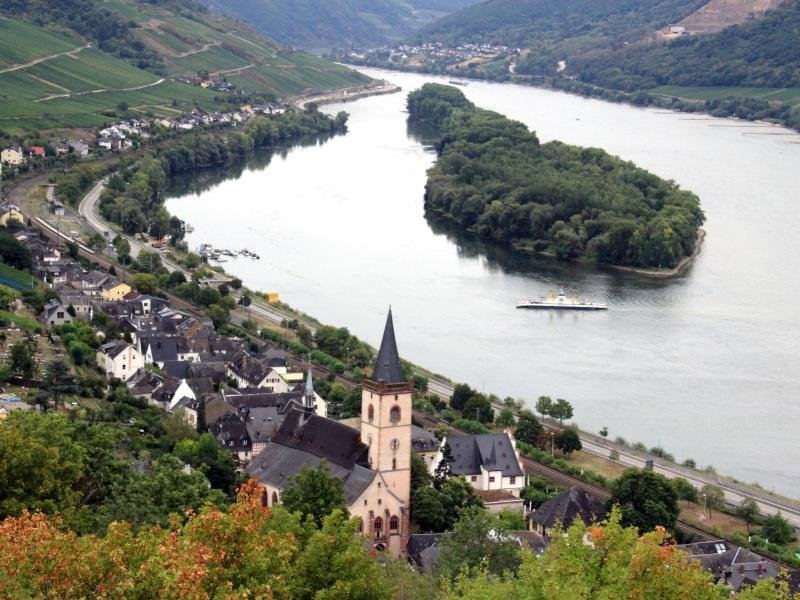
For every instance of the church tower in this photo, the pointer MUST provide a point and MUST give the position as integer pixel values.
(386, 418)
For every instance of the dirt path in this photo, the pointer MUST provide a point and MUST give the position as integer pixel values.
(203, 48)
(36, 61)
(235, 71)
(130, 89)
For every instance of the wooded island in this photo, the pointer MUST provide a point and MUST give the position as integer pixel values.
(494, 178)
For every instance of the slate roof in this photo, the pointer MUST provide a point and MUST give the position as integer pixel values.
(201, 386)
(113, 348)
(423, 549)
(213, 370)
(569, 505)
(423, 440)
(231, 433)
(176, 368)
(277, 464)
(492, 451)
(732, 564)
(248, 368)
(387, 363)
(163, 348)
(275, 357)
(323, 437)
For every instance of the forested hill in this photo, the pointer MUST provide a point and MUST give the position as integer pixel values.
(759, 53)
(494, 178)
(557, 29)
(323, 25)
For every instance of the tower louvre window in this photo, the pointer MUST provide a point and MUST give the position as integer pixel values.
(370, 413)
(394, 415)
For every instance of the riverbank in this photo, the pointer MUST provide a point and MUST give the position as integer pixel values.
(677, 271)
(726, 107)
(349, 94)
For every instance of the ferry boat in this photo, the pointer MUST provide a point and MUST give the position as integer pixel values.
(561, 302)
(458, 82)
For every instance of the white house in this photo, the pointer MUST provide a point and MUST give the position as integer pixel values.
(119, 360)
(488, 461)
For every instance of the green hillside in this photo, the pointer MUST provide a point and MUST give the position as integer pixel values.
(763, 53)
(56, 74)
(556, 30)
(320, 26)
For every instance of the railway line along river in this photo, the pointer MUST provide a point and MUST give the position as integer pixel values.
(706, 365)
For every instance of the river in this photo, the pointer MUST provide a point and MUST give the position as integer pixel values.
(706, 365)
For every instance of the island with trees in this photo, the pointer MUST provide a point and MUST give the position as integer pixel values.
(494, 178)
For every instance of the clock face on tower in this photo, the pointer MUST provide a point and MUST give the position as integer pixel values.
(394, 444)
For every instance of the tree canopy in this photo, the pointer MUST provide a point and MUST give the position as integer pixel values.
(646, 500)
(315, 493)
(495, 179)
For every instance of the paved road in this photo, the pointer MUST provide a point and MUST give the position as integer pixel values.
(88, 210)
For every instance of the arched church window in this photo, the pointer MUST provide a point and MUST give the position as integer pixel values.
(394, 523)
(378, 527)
(371, 413)
(274, 498)
(394, 415)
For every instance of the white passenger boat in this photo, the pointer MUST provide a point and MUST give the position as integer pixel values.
(561, 301)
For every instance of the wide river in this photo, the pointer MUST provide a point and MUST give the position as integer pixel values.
(707, 365)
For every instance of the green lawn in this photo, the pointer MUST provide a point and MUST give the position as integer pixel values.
(788, 95)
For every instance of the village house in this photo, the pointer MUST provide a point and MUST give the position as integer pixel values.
(12, 156)
(55, 314)
(80, 303)
(119, 360)
(37, 151)
(374, 464)
(732, 565)
(113, 290)
(249, 372)
(488, 461)
(80, 147)
(574, 503)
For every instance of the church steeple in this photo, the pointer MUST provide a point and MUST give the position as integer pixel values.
(308, 394)
(387, 364)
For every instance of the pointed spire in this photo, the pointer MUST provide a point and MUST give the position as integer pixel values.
(308, 395)
(387, 364)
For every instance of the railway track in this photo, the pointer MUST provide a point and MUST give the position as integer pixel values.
(554, 476)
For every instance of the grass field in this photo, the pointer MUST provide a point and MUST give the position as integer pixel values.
(14, 278)
(788, 95)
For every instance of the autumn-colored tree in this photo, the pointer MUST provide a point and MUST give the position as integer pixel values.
(617, 564)
(249, 552)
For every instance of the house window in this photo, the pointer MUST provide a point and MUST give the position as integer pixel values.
(370, 413)
(512, 480)
(491, 479)
(394, 415)
(378, 527)
(474, 478)
(380, 501)
(394, 524)
(365, 501)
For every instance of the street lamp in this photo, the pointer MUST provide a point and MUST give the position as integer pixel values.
(705, 504)
(552, 444)
(348, 357)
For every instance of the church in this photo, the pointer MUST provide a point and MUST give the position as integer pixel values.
(374, 463)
